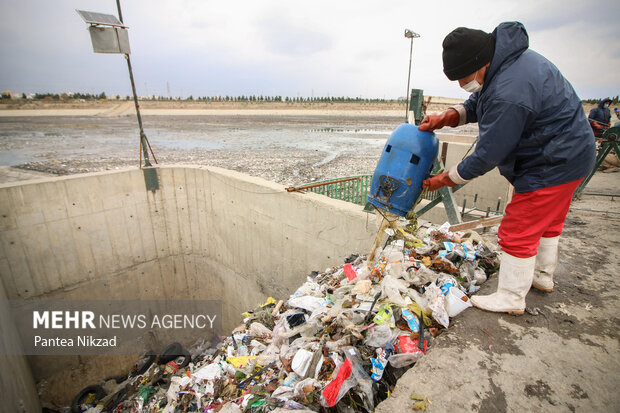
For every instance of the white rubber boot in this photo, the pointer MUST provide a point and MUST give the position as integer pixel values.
(514, 281)
(546, 263)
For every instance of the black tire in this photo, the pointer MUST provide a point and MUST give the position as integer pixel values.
(81, 396)
(171, 352)
(186, 359)
(144, 363)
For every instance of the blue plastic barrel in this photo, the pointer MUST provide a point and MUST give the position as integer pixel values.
(407, 159)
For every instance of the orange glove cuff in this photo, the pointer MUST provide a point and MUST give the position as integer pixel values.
(438, 181)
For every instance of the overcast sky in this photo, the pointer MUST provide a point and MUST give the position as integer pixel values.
(290, 48)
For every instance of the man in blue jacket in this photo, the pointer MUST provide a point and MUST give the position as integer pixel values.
(600, 117)
(532, 126)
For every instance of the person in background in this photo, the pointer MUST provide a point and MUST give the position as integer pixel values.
(599, 117)
(532, 126)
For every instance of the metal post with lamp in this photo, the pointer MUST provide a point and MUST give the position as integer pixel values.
(409, 35)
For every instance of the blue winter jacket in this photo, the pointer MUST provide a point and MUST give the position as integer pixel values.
(601, 113)
(532, 125)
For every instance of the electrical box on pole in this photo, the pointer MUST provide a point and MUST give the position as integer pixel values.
(108, 34)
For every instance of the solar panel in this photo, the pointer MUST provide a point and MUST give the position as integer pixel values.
(100, 18)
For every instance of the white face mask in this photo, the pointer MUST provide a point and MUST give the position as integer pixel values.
(473, 86)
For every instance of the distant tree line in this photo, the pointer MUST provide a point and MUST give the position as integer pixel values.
(67, 96)
(215, 98)
(278, 98)
(614, 100)
(242, 98)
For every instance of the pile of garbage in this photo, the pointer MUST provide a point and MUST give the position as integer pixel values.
(339, 343)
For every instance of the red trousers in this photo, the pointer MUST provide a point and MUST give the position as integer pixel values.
(532, 215)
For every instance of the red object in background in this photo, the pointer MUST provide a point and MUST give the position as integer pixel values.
(407, 345)
(171, 367)
(333, 387)
(349, 272)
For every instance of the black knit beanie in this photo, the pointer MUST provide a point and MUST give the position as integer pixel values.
(465, 51)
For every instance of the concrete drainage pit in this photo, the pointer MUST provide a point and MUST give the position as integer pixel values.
(202, 235)
(205, 234)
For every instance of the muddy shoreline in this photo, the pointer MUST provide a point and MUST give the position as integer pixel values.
(291, 150)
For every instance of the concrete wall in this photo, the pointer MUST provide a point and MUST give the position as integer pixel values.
(18, 390)
(207, 233)
(204, 233)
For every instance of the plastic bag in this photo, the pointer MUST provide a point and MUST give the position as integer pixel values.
(361, 287)
(383, 314)
(378, 364)
(378, 335)
(404, 359)
(259, 330)
(240, 362)
(349, 272)
(302, 385)
(334, 390)
(307, 288)
(393, 254)
(257, 348)
(398, 269)
(392, 287)
(283, 393)
(423, 276)
(407, 345)
(301, 362)
(209, 372)
(436, 302)
(362, 379)
(349, 375)
(412, 320)
(306, 302)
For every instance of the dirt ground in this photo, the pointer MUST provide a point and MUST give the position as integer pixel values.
(185, 104)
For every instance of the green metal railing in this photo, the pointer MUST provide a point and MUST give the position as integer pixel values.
(353, 189)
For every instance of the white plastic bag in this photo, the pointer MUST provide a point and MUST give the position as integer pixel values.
(404, 359)
(259, 330)
(301, 362)
(423, 276)
(377, 336)
(436, 302)
(392, 287)
(305, 302)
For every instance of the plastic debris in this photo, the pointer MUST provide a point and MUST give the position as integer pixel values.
(456, 302)
(339, 341)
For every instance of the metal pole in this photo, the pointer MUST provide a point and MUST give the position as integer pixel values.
(143, 142)
(408, 80)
